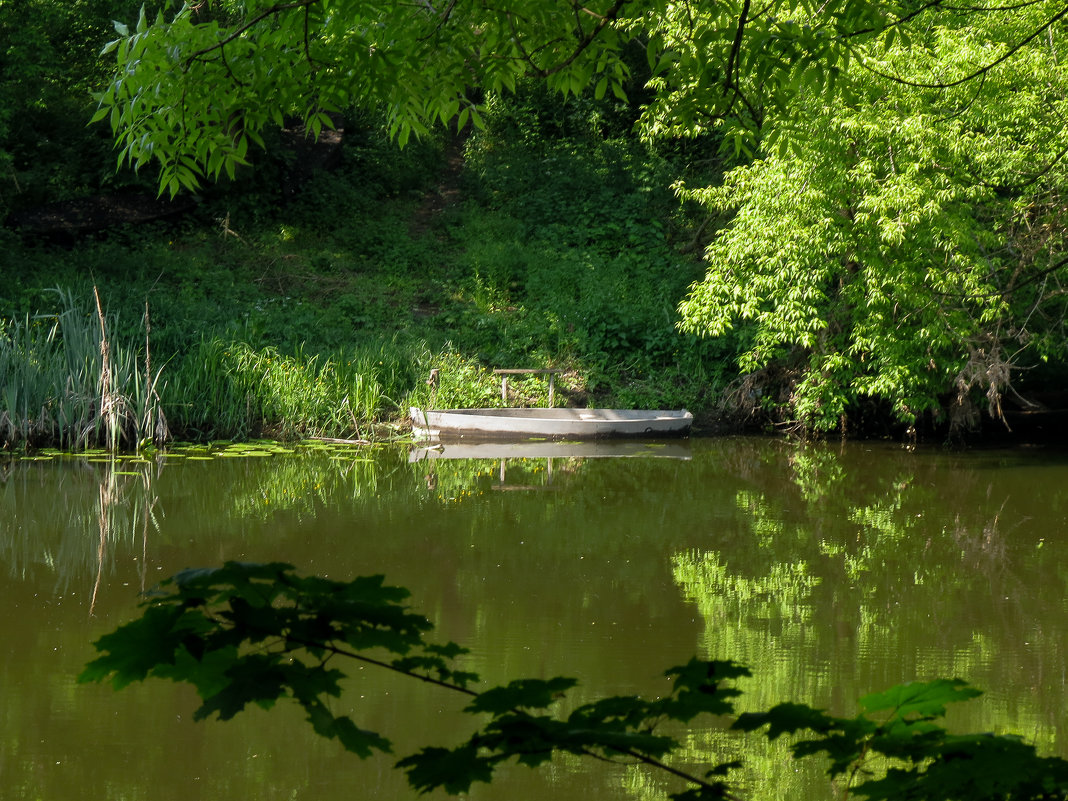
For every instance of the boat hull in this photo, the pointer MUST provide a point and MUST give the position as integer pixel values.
(552, 424)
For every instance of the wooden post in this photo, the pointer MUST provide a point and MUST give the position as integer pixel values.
(504, 382)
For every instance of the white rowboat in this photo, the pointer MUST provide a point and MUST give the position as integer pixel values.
(443, 424)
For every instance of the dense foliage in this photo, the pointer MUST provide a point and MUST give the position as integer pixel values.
(893, 246)
(324, 314)
(904, 241)
(49, 66)
(255, 634)
(195, 89)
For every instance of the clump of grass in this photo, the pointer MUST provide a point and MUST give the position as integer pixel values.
(231, 389)
(64, 382)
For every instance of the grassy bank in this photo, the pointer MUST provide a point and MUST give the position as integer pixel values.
(320, 309)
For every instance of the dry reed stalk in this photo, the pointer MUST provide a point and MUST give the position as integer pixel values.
(108, 404)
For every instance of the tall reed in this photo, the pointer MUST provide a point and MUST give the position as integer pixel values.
(64, 382)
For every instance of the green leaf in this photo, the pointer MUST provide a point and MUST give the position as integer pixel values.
(630, 711)
(360, 742)
(922, 699)
(449, 650)
(256, 678)
(696, 689)
(714, 792)
(983, 767)
(521, 694)
(132, 651)
(453, 770)
(785, 718)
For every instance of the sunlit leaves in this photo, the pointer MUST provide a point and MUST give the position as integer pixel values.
(191, 92)
(196, 86)
(918, 699)
(877, 245)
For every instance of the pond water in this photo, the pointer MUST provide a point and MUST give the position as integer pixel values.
(832, 571)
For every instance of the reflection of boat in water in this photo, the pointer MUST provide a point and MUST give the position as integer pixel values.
(506, 451)
(481, 424)
(553, 450)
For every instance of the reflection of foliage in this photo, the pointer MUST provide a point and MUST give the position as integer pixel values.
(783, 594)
(906, 551)
(816, 472)
(456, 480)
(760, 620)
(105, 503)
(582, 576)
(767, 530)
(301, 486)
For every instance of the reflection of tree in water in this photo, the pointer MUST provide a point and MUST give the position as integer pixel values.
(763, 621)
(870, 571)
(302, 487)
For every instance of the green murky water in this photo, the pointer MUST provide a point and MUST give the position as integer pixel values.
(831, 571)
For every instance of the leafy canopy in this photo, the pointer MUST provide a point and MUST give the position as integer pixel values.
(193, 89)
(247, 633)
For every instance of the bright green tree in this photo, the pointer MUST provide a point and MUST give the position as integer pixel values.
(903, 241)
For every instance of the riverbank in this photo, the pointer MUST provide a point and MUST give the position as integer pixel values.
(321, 307)
(316, 298)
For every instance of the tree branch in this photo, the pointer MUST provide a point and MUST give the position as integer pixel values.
(899, 20)
(736, 46)
(971, 76)
(241, 29)
(609, 17)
